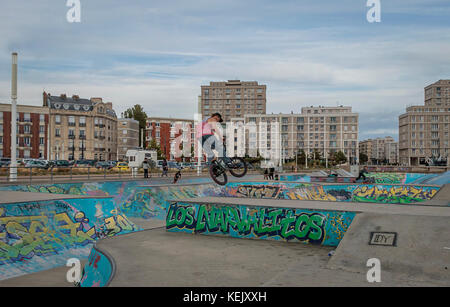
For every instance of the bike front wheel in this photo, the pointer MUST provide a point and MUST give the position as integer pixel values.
(218, 174)
(237, 167)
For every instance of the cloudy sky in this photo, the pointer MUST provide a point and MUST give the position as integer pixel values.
(158, 53)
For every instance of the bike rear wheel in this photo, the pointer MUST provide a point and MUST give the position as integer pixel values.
(237, 167)
(218, 174)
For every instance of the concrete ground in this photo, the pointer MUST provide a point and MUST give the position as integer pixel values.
(156, 258)
(55, 277)
(159, 258)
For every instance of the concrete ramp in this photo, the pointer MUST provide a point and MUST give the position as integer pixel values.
(41, 231)
(409, 247)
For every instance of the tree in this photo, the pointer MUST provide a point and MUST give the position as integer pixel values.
(137, 113)
(363, 158)
(339, 157)
(301, 157)
(154, 146)
(316, 155)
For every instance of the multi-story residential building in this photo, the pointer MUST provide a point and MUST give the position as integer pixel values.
(32, 131)
(325, 129)
(81, 128)
(365, 147)
(162, 131)
(380, 150)
(232, 99)
(128, 136)
(391, 152)
(424, 130)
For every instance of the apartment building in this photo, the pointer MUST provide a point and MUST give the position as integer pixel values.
(128, 136)
(32, 131)
(325, 129)
(365, 147)
(233, 99)
(81, 128)
(162, 131)
(391, 152)
(380, 150)
(424, 130)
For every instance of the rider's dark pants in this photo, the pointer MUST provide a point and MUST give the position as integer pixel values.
(210, 142)
(361, 176)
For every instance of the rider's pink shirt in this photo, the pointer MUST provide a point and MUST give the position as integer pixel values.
(204, 129)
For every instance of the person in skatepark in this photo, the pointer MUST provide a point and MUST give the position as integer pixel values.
(205, 133)
(177, 176)
(362, 174)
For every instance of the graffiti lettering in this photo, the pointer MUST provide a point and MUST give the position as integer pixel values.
(286, 224)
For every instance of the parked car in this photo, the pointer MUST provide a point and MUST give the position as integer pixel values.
(84, 163)
(173, 164)
(60, 163)
(112, 163)
(37, 164)
(103, 164)
(185, 164)
(122, 166)
(159, 163)
(5, 162)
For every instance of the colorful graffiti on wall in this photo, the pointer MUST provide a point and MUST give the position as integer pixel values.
(395, 178)
(151, 202)
(295, 178)
(298, 225)
(98, 271)
(348, 193)
(393, 194)
(40, 235)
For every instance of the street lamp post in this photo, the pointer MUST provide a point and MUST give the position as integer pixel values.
(13, 166)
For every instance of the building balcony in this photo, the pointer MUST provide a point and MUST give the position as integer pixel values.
(71, 124)
(71, 136)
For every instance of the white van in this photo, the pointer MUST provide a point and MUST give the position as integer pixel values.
(137, 156)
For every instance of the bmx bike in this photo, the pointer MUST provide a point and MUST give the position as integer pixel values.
(218, 168)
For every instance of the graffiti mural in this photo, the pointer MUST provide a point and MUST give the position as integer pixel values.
(40, 235)
(393, 194)
(404, 194)
(151, 202)
(98, 271)
(395, 178)
(298, 225)
(295, 178)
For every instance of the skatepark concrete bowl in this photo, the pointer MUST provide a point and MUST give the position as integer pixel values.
(47, 224)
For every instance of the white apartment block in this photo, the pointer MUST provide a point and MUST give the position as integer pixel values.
(326, 129)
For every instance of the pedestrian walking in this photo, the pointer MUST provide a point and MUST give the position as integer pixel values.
(165, 168)
(145, 166)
